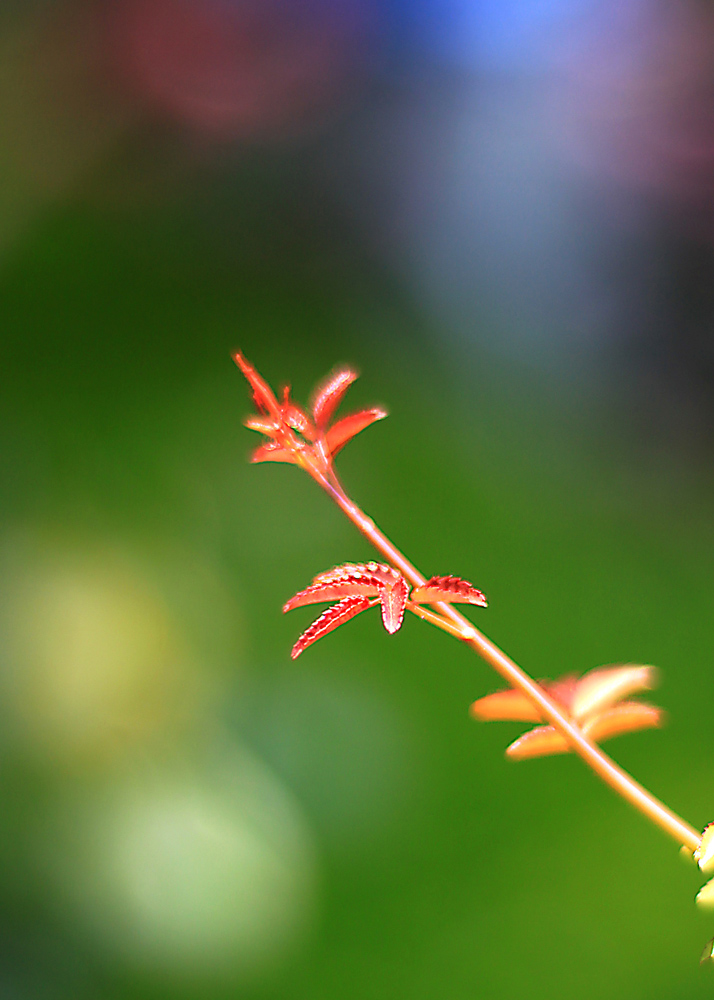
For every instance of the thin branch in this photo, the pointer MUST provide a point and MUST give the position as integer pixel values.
(313, 448)
(603, 765)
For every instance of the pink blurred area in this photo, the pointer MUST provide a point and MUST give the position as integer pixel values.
(258, 68)
(639, 95)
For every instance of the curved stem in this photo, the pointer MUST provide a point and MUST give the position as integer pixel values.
(603, 765)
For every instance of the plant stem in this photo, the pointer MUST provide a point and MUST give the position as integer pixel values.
(456, 624)
(430, 616)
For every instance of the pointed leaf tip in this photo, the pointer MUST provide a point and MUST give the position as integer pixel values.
(329, 620)
(540, 742)
(504, 706)
(344, 430)
(262, 393)
(448, 588)
(329, 394)
(394, 601)
(627, 717)
(260, 424)
(335, 591)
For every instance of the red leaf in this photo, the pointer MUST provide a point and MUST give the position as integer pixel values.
(380, 574)
(394, 599)
(329, 394)
(262, 393)
(448, 588)
(272, 452)
(331, 592)
(344, 430)
(331, 619)
(260, 424)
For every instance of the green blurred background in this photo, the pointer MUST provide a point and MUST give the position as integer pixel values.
(184, 811)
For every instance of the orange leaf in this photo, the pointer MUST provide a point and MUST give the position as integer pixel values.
(508, 705)
(329, 394)
(604, 686)
(448, 588)
(344, 430)
(540, 742)
(628, 717)
(329, 620)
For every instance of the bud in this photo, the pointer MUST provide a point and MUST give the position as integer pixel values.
(705, 896)
(704, 854)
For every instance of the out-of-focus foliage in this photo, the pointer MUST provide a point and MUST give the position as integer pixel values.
(512, 242)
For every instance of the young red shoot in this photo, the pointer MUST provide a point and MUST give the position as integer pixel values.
(308, 441)
(579, 712)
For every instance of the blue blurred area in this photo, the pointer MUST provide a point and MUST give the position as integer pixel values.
(473, 36)
(502, 215)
